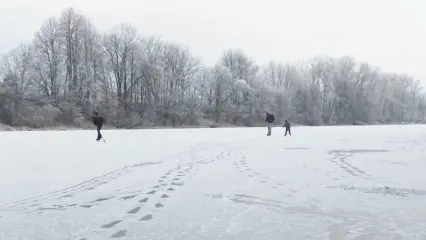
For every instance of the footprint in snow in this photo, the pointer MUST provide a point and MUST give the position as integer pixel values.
(134, 210)
(111, 224)
(119, 234)
(128, 197)
(146, 217)
(103, 199)
(178, 184)
(159, 205)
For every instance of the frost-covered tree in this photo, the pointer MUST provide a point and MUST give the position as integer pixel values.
(48, 59)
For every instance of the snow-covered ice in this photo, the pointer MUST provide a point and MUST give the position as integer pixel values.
(364, 182)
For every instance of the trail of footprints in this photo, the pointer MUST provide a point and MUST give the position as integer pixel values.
(39, 208)
(166, 184)
(243, 167)
(222, 155)
(339, 158)
(347, 167)
(34, 204)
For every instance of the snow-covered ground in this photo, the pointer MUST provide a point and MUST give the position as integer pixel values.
(365, 182)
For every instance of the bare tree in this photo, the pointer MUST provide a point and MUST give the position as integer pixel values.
(119, 46)
(17, 69)
(415, 89)
(70, 23)
(48, 58)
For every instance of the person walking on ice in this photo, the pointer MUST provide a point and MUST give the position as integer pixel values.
(270, 118)
(98, 121)
(287, 127)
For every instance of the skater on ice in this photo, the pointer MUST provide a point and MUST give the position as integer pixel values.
(98, 121)
(287, 127)
(270, 118)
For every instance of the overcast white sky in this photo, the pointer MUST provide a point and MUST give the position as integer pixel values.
(390, 34)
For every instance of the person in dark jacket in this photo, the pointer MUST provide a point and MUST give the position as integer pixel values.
(98, 121)
(270, 118)
(287, 127)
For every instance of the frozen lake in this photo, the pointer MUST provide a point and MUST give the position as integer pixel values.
(363, 182)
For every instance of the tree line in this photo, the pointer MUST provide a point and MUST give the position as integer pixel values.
(70, 69)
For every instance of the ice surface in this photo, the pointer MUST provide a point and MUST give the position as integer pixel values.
(365, 182)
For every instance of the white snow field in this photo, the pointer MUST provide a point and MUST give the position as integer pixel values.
(363, 182)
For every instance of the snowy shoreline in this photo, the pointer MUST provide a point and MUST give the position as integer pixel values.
(7, 128)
